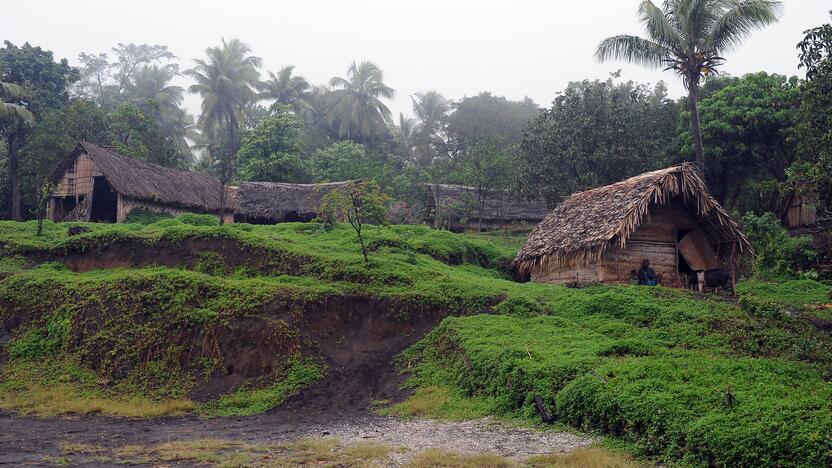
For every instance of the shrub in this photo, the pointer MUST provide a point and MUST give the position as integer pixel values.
(145, 216)
(198, 219)
(778, 255)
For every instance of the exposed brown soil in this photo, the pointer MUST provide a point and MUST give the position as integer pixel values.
(356, 336)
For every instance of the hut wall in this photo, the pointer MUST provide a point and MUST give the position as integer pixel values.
(654, 240)
(579, 274)
(127, 204)
(800, 212)
(77, 179)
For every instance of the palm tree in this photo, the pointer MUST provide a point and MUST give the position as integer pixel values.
(690, 38)
(150, 90)
(225, 81)
(358, 109)
(15, 115)
(9, 110)
(404, 133)
(431, 109)
(287, 89)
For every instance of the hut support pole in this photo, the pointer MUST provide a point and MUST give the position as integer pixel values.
(732, 268)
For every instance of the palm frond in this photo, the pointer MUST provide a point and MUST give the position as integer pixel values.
(14, 111)
(633, 49)
(740, 19)
(11, 90)
(658, 25)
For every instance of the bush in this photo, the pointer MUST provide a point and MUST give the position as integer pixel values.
(198, 219)
(778, 255)
(145, 216)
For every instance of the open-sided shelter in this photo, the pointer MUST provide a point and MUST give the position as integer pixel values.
(600, 235)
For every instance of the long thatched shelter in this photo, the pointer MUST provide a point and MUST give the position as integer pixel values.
(278, 202)
(457, 207)
(600, 235)
(95, 183)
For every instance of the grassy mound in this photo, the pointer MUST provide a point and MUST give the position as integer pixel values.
(153, 316)
(140, 319)
(702, 381)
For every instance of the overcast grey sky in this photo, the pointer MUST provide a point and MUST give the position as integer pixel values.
(514, 48)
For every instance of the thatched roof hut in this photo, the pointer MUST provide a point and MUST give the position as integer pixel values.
(106, 186)
(600, 235)
(277, 202)
(455, 207)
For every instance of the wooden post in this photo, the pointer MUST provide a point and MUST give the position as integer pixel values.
(732, 268)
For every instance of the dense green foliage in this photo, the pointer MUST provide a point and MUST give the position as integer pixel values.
(700, 381)
(597, 133)
(777, 255)
(271, 151)
(812, 174)
(748, 131)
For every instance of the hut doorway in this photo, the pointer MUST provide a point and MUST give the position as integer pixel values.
(682, 265)
(104, 201)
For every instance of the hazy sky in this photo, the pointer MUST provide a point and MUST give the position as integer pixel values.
(514, 48)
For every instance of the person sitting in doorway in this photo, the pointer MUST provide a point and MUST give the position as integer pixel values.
(646, 275)
(634, 277)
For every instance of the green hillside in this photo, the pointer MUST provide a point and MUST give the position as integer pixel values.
(143, 320)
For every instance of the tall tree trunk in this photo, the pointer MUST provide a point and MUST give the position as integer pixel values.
(14, 175)
(693, 92)
(227, 171)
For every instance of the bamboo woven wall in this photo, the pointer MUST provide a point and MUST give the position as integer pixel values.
(77, 180)
(800, 212)
(654, 240)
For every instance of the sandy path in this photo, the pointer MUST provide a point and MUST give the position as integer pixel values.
(25, 440)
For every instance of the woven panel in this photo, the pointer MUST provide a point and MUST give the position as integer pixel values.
(697, 251)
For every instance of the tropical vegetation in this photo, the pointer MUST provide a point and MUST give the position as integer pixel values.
(690, 38)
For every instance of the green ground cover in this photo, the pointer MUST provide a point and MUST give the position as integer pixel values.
(697, 381)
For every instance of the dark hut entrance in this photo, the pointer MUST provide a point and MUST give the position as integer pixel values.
(104, 201)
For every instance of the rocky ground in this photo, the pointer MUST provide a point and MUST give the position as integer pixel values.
(36, 441)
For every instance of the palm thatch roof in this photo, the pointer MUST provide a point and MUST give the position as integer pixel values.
(150, 182)
(588, 223)
(280, 201)
(499, 206)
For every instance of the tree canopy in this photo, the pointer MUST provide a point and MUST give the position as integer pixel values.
(597, 133)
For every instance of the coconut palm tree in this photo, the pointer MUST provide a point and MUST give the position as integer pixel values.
(150, 90)
(287, 89)
(404, 133)
(358, 110)
(225, 81)
(14, 115)
(690, 38)
(8, 110)
(431, 110)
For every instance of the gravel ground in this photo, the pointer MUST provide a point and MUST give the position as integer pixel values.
(26, 440)
(475, 436)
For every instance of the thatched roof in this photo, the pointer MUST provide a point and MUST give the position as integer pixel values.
(499, 206)
(587, 223)
(151, 182)
(279, 201)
